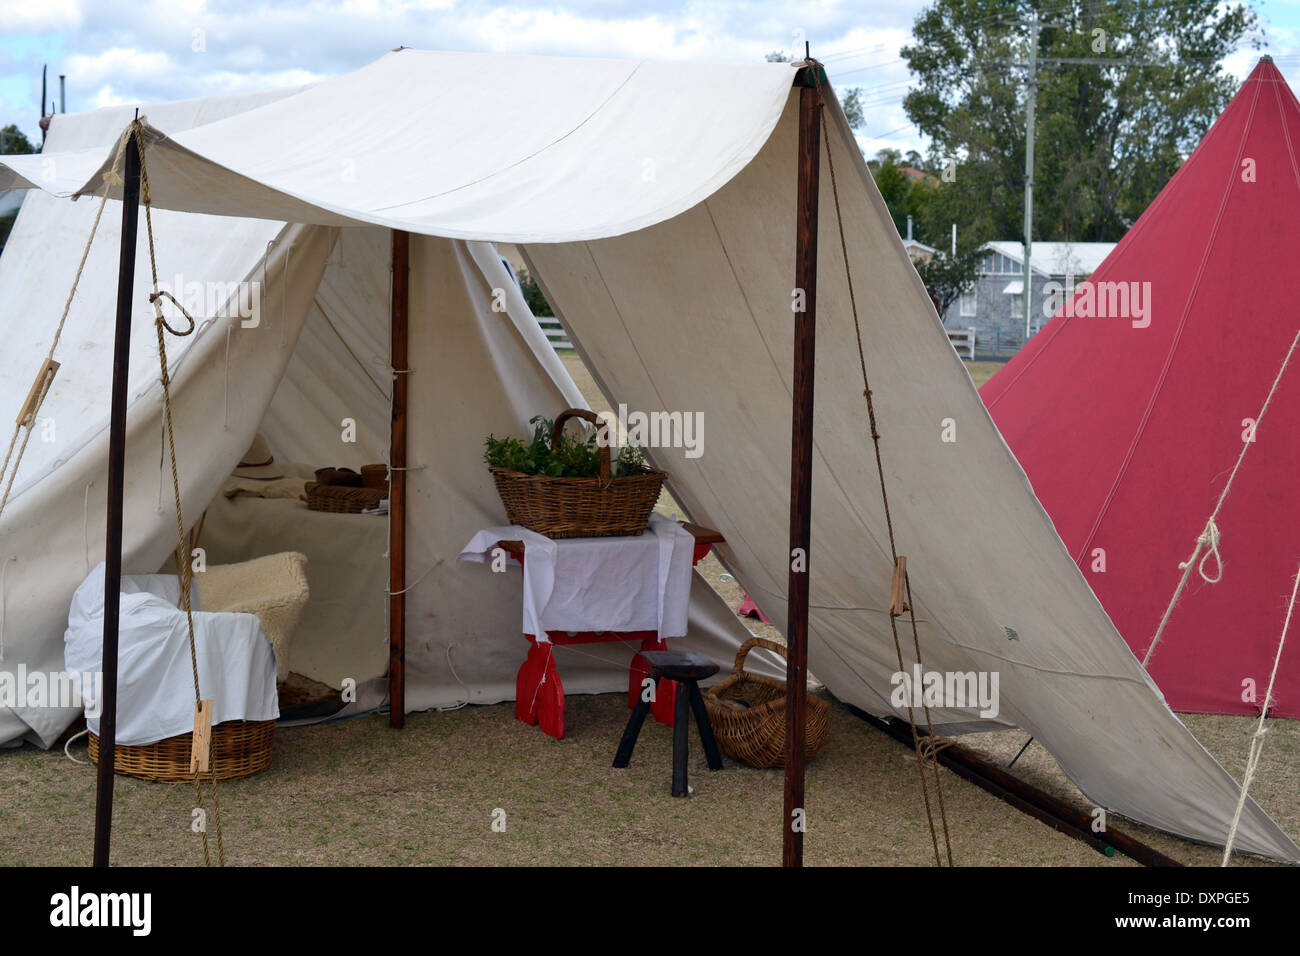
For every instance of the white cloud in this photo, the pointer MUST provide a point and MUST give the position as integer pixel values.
(119, 64)
(104, 96)
(23, 16)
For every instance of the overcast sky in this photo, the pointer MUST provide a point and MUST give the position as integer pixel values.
(145, 50)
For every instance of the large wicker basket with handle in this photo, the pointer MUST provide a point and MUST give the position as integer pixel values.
(579, 507)
(747, 712)
(240, 748)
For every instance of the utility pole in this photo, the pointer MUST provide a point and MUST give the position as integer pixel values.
(1031, 105)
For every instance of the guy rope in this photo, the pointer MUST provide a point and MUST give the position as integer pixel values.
(201, 758)
(201, 761)
(26, 420)
(901, 590)
(1209, 538)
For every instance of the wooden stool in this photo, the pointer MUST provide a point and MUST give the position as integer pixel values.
(687, 669)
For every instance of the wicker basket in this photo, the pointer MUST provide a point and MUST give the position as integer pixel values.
(755, 734)
(579, 507)
(341, 499)
(240, 748)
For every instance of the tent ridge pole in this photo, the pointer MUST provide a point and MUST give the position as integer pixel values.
(116, 488)
(397, 482)
(801, 459)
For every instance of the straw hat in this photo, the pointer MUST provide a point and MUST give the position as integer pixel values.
(258, 462)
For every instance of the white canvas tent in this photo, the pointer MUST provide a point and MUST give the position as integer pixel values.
(654, 202)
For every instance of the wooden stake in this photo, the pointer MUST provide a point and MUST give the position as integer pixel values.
(898, 605)
(116, 486)
(40, 388)
(801, 459)
(397, 484)
(201, 739)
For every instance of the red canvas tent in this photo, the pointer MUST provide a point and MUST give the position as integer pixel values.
(1129, 410)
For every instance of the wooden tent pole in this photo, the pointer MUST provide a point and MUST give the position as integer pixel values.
(116, 486)
(397, 484)
(801, 459)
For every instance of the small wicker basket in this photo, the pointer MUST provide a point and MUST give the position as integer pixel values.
(580, 507)
(341, 499)
(240, 748)
(755, 734)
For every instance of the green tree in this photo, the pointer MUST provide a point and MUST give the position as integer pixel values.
(14, 142)
(1108, 136)
(905, 193)
(537, 303)
(947, 276)
(852, 104)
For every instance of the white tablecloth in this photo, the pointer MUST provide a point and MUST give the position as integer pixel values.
(639, 583)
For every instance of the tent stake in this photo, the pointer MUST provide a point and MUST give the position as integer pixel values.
(116, 484)
(801, 457)
(397, 484)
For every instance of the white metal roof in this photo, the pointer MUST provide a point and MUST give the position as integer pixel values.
(1057, 258)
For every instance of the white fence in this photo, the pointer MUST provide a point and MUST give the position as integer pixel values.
(963, 340)
(554, 331)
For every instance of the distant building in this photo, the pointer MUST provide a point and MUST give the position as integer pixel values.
(918, 252)
(994, 304)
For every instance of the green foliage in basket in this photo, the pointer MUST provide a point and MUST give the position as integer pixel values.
(570, 457)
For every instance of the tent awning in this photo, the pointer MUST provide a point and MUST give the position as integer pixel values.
(1014, 288)
(547, 149)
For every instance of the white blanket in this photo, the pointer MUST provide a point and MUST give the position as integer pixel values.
(639, 583)
(155, 683)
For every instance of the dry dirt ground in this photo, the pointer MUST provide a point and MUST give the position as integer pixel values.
(358, 793)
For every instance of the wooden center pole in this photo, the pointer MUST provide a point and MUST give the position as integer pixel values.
(397, 483)
(801, 460)
(116, 486)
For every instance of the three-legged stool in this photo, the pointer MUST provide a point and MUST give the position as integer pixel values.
(687, 669)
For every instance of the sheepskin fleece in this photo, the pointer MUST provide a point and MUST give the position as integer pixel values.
(273, 587)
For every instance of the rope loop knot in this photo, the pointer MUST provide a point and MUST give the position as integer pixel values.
(1209, 539)
(154, 298)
